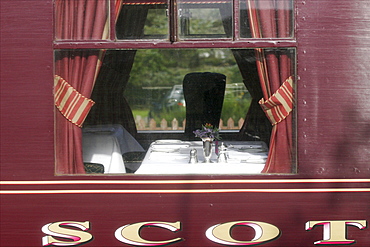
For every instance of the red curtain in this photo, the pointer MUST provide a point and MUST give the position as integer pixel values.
(76, 20)
(272, 19)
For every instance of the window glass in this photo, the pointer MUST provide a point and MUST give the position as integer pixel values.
(155, 87)
(255, 16)
(146, 96)
(74, 20)
(143, 20)
(205, 19)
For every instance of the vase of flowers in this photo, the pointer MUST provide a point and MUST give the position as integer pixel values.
(208, 134)
(207, 149)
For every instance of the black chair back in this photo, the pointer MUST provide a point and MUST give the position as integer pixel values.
(204, 96)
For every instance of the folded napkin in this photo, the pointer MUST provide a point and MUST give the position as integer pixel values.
(248, 157)
(168, 157)
(247, 154)
(245, 146)
(167, 141)
(258, 161)
(159, 147)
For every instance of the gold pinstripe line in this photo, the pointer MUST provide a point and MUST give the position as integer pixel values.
(218, 181)
(326, 190)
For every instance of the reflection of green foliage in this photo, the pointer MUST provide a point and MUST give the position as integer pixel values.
(156, 22)
(206, 21)
(150, 68)
(169, 114)
(167, 67)
(235, 109)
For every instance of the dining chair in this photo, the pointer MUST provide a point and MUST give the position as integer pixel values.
(204, 95)
(93, 168)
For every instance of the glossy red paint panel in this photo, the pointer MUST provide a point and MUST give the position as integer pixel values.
(332, 113)
(26, 89)
(196, 212)
(333, 90)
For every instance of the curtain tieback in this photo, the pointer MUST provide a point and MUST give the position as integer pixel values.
(280, 104)
(73, 105)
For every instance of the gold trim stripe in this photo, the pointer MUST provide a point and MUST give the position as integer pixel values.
(195, 191)
(219, 181)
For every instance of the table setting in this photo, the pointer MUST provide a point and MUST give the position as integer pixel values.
(187, 157)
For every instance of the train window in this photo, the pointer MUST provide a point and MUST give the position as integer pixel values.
(132, 105)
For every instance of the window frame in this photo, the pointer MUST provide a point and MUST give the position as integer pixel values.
(173, 42)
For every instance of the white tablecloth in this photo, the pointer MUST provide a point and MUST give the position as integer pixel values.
(172, 157)
(105, 144)
(103, 148)
(127, 142)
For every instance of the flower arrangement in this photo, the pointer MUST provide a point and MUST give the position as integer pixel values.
(208, 131)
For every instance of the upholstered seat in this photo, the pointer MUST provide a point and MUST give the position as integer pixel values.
(92, 168)
(133, 160)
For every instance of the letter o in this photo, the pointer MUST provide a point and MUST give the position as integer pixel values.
(221, 233)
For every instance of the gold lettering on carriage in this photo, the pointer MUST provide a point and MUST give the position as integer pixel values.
(335, 231)
(72, 233)
(130, 234)
(66, 230)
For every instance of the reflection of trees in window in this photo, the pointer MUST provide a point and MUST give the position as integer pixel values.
(156, 22)
(163, 67)
(157, 71)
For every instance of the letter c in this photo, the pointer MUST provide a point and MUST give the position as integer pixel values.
(130, 234)
(221, 233)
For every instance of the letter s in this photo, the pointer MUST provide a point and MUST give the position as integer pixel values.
(55, 230)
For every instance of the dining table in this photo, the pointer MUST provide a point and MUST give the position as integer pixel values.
(174, 157)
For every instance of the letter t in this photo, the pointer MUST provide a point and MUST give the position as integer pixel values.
(335, 231)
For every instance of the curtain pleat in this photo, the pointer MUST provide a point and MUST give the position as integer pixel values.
(131, 14)
(109, 90)
(271, 19)
(256, 126)
(111, 105)
(76, 20)
(79, 70)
